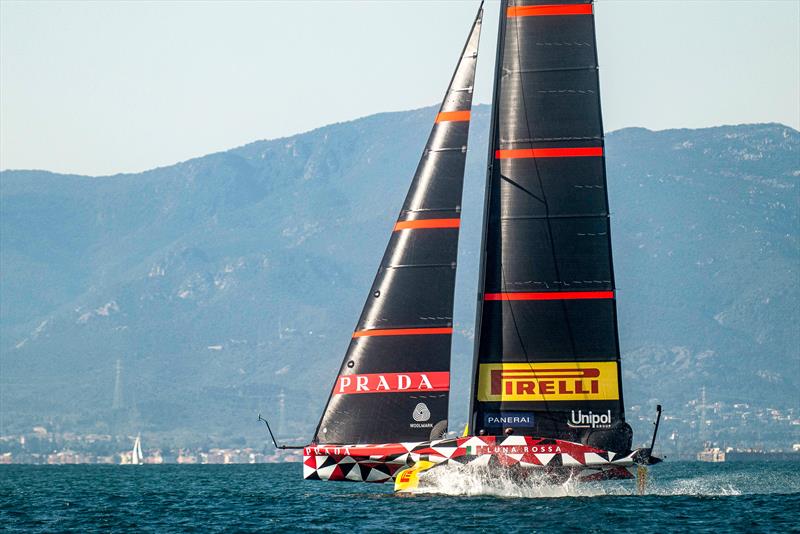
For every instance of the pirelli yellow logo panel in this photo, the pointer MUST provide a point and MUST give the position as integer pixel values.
(557, 381)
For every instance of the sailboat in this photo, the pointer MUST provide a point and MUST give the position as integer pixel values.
(137, 458)
(547, 388)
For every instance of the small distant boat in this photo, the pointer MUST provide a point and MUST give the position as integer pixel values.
(711, 454)
(137, 458)
(546, 379)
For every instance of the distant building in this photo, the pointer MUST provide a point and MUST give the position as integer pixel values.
(154, 458)
(711, 454)
(186, 458)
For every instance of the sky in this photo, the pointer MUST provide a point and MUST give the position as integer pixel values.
(106, 87)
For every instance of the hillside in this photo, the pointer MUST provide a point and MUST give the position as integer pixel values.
(223, 281)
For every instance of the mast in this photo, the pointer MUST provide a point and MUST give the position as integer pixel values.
(394, 382)
(501, 27)
(547, 351)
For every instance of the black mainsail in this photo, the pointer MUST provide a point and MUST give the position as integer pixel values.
(394, 382)
(547, 350)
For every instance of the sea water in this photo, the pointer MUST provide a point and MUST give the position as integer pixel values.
(680, 497)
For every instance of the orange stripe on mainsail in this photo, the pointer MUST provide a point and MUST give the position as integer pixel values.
(549, 152)
(550, 295)
(403, 332)
(427, 223)
(554, 9)
(452, 116)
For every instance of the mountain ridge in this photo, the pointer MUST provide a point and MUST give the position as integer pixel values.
(223, 280)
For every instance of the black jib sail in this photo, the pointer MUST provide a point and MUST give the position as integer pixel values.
(394, 382)
(547, 352)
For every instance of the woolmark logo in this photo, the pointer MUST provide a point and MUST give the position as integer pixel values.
(421, 413)
(589, 420)
(392, 382)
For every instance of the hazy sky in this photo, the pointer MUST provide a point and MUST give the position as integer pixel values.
(106, 87)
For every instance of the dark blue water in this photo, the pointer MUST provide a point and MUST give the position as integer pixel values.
(682, 497)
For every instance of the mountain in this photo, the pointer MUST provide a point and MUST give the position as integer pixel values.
(226, 283)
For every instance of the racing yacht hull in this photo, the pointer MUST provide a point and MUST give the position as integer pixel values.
(513, 455)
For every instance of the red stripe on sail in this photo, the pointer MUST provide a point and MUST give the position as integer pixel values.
(453, 116)
(550, 295)
(592, 151)
(554, 9)
(403, 332)
(427, 223)
(393, 383)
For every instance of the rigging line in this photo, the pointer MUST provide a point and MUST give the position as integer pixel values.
(541, 186)
(515, 184)
(519, 335)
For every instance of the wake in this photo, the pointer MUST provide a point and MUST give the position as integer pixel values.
(686, 479)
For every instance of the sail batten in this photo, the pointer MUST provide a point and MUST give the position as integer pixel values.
(548, 10)
(547, 347)
(403, 332)
(576, 152)
(417, 224)
(550, 295)
(400, 351)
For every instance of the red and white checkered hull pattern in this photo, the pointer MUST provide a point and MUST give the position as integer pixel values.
(380, 463)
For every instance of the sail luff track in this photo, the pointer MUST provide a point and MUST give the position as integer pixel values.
(501, 26)
(393, 385)
(546, 343)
